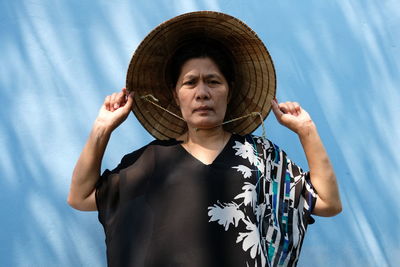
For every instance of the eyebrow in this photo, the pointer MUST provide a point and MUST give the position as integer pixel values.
(208, 76)
(213, 75)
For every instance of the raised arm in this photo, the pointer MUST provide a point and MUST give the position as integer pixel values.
(113, 112)
(294, 117)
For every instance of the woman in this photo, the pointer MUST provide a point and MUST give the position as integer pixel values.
(206, 196)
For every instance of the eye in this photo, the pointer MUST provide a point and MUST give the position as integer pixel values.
(189, 82)
(214, 82)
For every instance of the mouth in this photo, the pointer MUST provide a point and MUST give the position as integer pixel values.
(202, 109)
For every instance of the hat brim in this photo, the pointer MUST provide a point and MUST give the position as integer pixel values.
(255, 80)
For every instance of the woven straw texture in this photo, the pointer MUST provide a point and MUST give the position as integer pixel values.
(255, 81)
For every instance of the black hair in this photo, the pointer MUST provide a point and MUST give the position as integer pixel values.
(201, 48)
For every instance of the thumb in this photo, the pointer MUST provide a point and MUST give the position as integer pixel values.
(275, 108)
(129, 102)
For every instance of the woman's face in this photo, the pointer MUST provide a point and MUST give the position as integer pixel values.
(202, 93)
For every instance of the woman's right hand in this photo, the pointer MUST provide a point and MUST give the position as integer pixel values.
(115, 109)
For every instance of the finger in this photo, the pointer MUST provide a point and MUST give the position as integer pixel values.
(297, 108)
(284, 108)
(129, 101)
(113, 101)
(126, 93)
(276, 109)
(291, 108)
(119, 100)
(107, 102)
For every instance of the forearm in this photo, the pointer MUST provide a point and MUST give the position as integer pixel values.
(321, 172)
(87, 169)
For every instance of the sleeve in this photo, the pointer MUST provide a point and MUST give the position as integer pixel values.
(128, 178)
(292, 186)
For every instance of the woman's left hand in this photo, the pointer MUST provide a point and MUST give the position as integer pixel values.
(292, 116)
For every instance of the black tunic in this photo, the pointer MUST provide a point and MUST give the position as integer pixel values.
(163, 207)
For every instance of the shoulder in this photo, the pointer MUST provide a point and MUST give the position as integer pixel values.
(164, 143)
(260, 146)
(258, 141)
(148, 150)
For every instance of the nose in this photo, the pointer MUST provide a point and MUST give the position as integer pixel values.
(202, 91)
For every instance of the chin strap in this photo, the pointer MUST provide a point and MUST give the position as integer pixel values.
(151, 99)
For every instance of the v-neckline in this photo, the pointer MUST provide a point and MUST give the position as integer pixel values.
(215, 159)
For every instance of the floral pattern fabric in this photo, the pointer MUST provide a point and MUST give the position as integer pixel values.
(281, 198)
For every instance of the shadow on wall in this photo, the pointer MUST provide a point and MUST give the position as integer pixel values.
(59, 60)
(341, 66)
(55, 75)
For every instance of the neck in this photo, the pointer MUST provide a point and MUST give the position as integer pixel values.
(206, 137)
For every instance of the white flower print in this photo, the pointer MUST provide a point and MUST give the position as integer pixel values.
(259, 164)
(245, 150)
(226, 214)
(244, 170)
(251, 240)
(249, 195)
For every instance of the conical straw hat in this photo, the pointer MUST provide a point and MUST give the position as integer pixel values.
(255, 81)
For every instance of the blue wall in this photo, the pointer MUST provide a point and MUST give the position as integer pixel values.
(59, 59)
